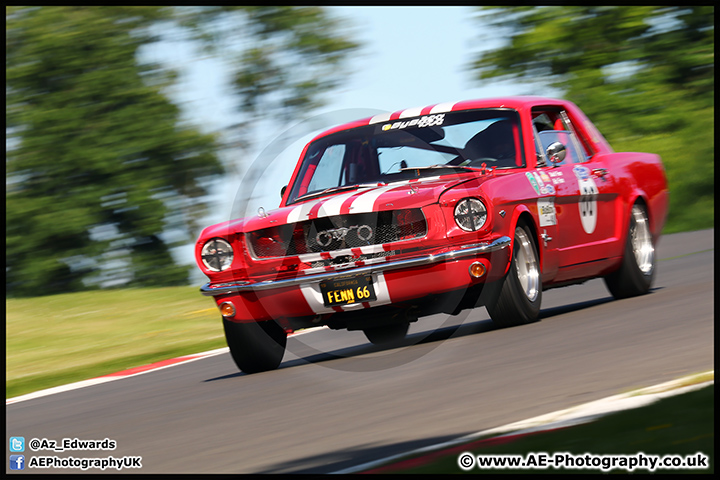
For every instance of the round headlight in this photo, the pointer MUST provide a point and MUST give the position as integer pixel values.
(217, 255)
(470, 214)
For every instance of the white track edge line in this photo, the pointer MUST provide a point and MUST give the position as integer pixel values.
(563, 418)
(114, 376)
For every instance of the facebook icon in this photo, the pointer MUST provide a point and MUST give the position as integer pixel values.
(17, 462)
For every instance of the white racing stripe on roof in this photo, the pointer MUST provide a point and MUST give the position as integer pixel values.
(442, 107)
(411, 112)
(382, 117)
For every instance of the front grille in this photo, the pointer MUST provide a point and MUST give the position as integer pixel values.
(328, 234)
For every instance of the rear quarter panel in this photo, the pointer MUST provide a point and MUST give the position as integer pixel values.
(640, 176)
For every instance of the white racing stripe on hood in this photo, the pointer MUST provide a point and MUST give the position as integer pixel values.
(301, 212)
(365, 202)
(332, 206)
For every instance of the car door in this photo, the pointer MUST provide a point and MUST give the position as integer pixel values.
(585, 198)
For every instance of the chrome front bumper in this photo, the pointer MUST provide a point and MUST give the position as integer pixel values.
(248, 286)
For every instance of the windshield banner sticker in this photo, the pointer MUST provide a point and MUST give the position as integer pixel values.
(426, 121)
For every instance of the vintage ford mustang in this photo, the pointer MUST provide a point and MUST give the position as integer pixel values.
(436, 209)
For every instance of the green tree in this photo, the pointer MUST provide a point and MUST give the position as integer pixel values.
(287, 59)
(99, 165)
(644, 75)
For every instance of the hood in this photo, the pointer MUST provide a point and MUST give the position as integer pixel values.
(413, 193)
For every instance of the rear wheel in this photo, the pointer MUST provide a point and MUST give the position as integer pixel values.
(255, 347)
(637, 269)
(387, 335)
(515, 300)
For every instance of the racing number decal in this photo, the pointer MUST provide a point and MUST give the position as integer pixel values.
(588, 198)
(588, 204)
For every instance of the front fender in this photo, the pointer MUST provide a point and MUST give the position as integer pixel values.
(522, 213)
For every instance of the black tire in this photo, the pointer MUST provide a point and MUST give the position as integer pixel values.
(255, 347)
(516, 299)
(637, 270)
(387, 335)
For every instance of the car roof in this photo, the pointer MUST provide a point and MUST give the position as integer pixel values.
(514, 102)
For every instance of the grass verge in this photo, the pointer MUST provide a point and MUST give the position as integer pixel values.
(61, 339)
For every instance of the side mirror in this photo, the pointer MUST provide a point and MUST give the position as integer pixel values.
(282, 191)
(556, 152)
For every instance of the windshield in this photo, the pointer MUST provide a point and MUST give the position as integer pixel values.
(409, 148)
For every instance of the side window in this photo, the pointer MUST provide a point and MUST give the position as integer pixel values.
(549, 137)
(554, 126)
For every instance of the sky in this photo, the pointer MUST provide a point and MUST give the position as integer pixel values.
(410, 57)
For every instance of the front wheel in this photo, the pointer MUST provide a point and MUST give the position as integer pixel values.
(255, 347)
(515, 300)
(637, 269)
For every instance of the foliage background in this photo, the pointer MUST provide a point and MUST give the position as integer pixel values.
(104, 177)
(644, 75)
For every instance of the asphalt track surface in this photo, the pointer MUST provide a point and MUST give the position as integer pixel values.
(337, 401)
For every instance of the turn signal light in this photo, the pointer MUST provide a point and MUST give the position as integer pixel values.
(227, 309)
(477, 270)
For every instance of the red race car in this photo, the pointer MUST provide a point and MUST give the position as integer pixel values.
(436, 209)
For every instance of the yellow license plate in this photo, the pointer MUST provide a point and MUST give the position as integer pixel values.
(347, 291)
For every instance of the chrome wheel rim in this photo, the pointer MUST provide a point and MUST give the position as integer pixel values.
(526, 265)
(641, 241)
